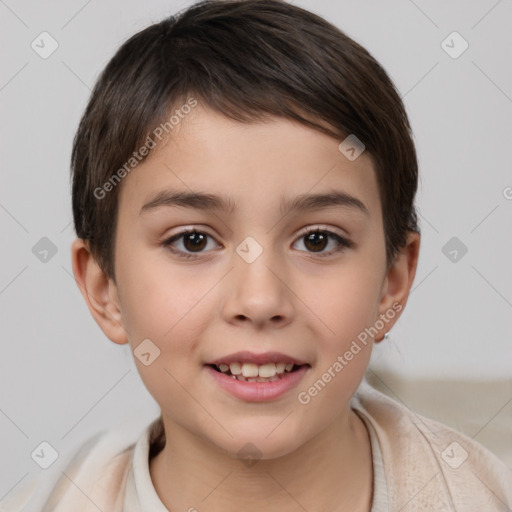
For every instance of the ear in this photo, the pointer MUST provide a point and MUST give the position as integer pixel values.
(397, 284)
(99, 292)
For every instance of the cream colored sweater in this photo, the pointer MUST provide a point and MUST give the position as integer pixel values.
(419, 465)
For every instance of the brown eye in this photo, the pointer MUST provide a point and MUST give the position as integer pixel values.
(316, 241)
(188, 243)
(194, 241)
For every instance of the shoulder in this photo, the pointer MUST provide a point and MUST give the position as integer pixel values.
(429, 465)
(93, 476)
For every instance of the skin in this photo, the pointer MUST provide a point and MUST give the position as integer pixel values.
(290, 299)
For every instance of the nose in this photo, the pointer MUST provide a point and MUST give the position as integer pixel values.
(258, 293)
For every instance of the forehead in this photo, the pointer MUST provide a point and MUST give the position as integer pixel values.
(262, 165)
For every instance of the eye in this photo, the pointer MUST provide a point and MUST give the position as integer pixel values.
(190, 240)
(316, 240)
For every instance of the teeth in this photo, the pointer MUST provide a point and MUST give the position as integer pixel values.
(235, 368)
(251, 370)
(267, 370)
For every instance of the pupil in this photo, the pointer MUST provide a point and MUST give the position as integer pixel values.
(318, 241)
(194, 241)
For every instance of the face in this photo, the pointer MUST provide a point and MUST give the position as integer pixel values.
(282, 282)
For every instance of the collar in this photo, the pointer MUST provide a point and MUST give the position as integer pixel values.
(141, 495)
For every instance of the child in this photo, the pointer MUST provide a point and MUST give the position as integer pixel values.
(243, 194)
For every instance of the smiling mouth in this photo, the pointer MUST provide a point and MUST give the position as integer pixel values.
(250, 372)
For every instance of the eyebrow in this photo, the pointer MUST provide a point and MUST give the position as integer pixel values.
(204, 201)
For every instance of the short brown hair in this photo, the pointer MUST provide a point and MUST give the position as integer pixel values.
(246, 59)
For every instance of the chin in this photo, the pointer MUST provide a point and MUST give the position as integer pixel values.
(262, 443)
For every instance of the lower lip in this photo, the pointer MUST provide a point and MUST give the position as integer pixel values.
(258, 391)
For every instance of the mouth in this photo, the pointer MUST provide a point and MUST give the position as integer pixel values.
(257, 377)
(252, 372)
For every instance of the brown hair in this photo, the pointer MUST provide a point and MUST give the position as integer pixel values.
(246, 59)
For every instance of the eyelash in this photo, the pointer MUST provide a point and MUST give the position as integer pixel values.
(343, 242)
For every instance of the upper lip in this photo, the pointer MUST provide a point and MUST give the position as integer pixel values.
(259, 359)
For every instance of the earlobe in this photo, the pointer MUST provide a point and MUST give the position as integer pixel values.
(397, 284)
(99, 292)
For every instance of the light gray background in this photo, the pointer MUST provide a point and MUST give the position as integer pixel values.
(62, 380)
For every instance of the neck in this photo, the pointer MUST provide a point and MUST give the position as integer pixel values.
(331, 472)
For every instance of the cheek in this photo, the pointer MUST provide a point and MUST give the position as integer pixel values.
(157, 298)
(345, 302)
(346, 307)
(170, 309)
